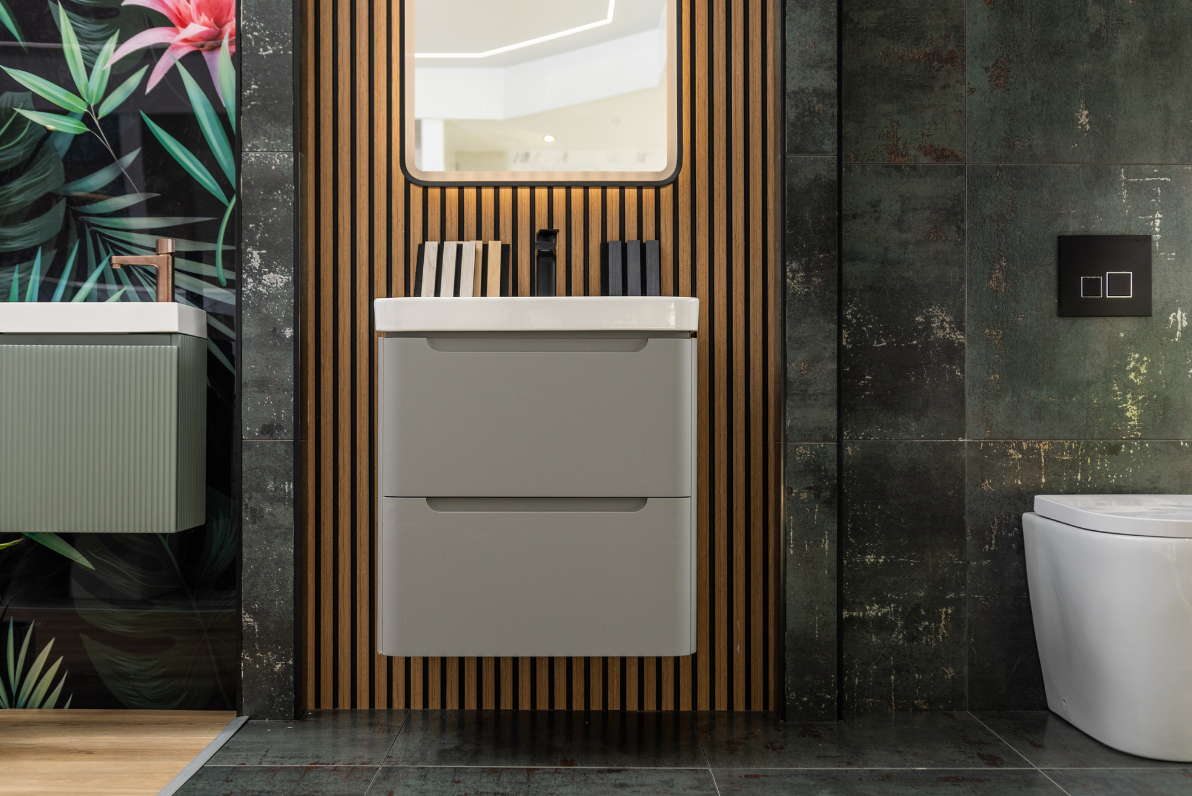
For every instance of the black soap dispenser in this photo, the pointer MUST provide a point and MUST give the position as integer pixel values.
(544, 266)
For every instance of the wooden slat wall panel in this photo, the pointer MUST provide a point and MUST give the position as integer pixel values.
(362, 224)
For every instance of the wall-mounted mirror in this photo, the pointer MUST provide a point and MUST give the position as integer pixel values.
(542, 91)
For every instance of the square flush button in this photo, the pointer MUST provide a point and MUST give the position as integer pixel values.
(1090, 287)
(1119, 284)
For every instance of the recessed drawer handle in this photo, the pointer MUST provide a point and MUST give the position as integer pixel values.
(527, 504)
(623, 345)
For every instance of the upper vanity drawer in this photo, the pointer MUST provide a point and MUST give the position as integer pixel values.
(564, 415)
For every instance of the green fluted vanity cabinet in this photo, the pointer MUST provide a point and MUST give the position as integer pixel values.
(102, 433)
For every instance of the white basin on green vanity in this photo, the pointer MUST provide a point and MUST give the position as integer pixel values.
(102, 417)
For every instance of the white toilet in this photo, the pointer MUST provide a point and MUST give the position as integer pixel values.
(1110, 580)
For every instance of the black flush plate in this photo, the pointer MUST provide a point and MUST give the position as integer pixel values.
(1105, 275)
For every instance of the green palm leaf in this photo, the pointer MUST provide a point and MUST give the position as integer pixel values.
(64, 280)
(223, 226)
(47, 90)
(56, 542)
(34, 278)
(186, 160)
(98, 84)
(93, 182)
(116, 296)
(122, 92)
(149, 243)
(73, 53)
(115, 203)
(10, 22)
(55, 121)
(212, 130)
(227, 80)
(39, 177)
(33, 232)
(14, 291)
(89, 285)
(144, 222)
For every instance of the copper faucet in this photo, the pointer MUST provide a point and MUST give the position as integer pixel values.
(163, 261)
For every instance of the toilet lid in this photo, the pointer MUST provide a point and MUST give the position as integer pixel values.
(1132, 515)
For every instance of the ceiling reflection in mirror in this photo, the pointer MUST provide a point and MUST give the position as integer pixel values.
(521, 90)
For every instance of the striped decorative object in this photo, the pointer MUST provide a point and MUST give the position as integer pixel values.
(103, 438)
(467, 268)
(717, 227)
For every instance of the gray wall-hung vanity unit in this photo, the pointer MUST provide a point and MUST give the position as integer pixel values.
(102, 417)
(537, 476)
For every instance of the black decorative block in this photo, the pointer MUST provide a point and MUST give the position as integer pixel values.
(1104, 275)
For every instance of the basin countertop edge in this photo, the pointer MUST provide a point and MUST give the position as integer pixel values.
(537, 314)
(102, 318)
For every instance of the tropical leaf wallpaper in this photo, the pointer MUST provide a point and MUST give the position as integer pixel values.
(117, 127)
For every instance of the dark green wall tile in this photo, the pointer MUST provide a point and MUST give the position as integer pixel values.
(879, 782)
(861, 740)
(811, 582)
(321, 738)
(268, 507)
(1003, 479)
(1114, 782)
(811, 290)
(904, 576)
(1062, 81)
(811, 77)
(903, 81)
(903, 357)
(267, 102)
(1034, 375)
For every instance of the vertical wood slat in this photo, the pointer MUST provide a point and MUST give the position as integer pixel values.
(362, 224)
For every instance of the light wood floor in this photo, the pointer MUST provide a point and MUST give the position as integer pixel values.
(85, 752)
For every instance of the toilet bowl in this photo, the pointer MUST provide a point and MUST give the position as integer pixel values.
(1110, 579)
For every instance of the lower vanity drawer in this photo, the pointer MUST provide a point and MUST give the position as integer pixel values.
(536, 577)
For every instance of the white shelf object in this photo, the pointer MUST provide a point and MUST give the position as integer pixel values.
(123, 317)
(538, 314)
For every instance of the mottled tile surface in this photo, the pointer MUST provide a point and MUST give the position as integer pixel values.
(1059, 81)
(904, 281)
(811, 297)
(903, 81)
(269, 319)
(862, 740)
(1048, 741)
(811, 530)
(542, 782)
(545, 738)
(267, 26)
(1118, 782)
(1034, 375)
(322, 738)
(884, 782)
(1003, 479)
(904, 576)
(811, 103)
(267, 102)
(268, 547)
(274, 780)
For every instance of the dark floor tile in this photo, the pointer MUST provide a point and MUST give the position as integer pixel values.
(811, 280)
(1050, 742)
(1120, 782)
(811, 77)
(1057, 81)
(436, 781)
(1002, 481)
(546, 738)
(323, 738)
(862, 740)
(903, 77)
(273, 780)
(811, 582)
(903, 261)
(904, 586)
(884, 782)
(1035, 375)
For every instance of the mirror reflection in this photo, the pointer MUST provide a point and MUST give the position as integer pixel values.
(523, 86)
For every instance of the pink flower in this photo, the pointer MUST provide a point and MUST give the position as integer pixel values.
(196, 25)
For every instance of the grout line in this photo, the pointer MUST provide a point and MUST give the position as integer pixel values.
(704, 752)
(1020, 754)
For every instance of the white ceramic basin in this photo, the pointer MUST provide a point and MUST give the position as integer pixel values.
(101, 318)
(538, 314)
